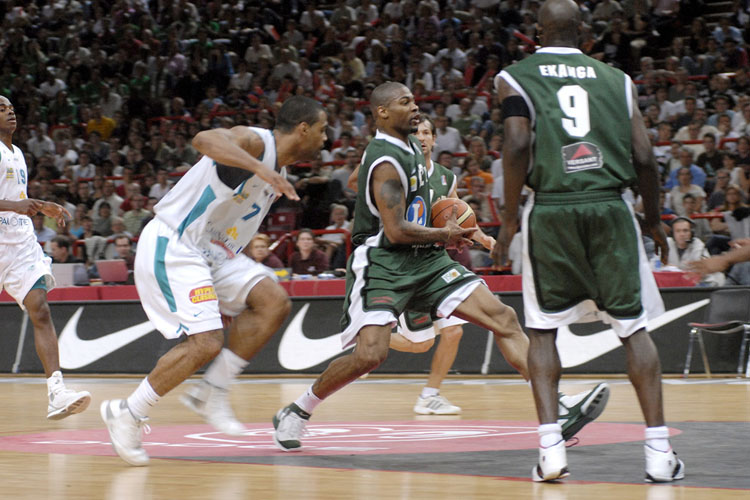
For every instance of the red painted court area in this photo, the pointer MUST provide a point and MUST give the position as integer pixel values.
(325, 438)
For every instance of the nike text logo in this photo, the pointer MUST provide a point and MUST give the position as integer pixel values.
(576, 350)
(77, 353)
(299, 352)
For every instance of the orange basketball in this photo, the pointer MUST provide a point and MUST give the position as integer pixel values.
(442, 210)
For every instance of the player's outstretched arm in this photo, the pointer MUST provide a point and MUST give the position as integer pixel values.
(240, 147)
(648, 178)
(29, 206)
(391, 203)
(57, 212)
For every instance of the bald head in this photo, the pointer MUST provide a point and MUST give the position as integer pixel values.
(560, 21)
(385, 93)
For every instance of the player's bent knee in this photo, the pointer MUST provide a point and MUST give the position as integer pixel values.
(425, 346)
(369, 359)
(207, 345)
(39, 312)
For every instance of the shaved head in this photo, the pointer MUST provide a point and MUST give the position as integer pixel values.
(385, 93)
(560, 21)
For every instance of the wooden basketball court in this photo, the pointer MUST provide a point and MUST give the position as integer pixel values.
(68, 459)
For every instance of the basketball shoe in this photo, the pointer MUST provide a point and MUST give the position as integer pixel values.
(290, 423)
(212, 403)
(578, 410)
(435, 405)
(663, 466)
(64, 402)
(553, 463)
(125, 431)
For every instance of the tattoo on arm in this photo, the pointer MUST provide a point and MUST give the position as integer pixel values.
(392, 193)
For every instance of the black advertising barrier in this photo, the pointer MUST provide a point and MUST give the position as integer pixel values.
(115, 337)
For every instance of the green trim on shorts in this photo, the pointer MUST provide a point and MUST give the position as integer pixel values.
(160, 270)
(40, 284)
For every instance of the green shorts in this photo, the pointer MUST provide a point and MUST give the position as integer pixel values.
(382, 283)
(584, 246)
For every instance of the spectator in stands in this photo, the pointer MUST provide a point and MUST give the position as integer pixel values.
(62, 252)
(259, 251)
(698, 176)
(133, 219)
(162, 185)
(685, 186)
(42, 232)
(335, 248)
(741, 174)
(133, 189)
(108, 195)
(478, 151)
(447, 139)
(103, 220)
(740, 121)
(85, 169)
(183, 150)
(717, 197)
(721, 106)
(104, 125)
(469, 183)
(75, 227)
(701, 227)
(710, 160)
(684, 247)
(124, 250)
(733, 199)
(307, 259)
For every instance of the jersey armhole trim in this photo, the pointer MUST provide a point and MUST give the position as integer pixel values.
(518, 88)
(629, 95)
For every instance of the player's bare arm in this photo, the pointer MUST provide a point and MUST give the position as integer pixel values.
(391, 203)
(478, 235)
(351, 183)
(240, 147)
(648, 178)
(57, 212)
(28, 206)
(516, 151)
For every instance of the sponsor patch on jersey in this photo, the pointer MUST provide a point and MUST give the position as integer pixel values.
(202, 294)
(581, 156)
(443, 180)
(413, 183)
(9, 173)
(417, 211)
(450, 275)
(232, 232)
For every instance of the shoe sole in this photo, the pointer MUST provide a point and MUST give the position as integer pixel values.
(76, 406)
(537, 478)
(103, 413)
(591, 409)
(276, 440)
(429, 411)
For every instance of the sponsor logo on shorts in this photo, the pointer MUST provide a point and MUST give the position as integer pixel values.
(450, 275)
(581, 156)
(417, 211)
(420, 320)
(202, 294)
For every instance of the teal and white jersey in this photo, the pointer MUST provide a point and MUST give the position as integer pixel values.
(14, 228)
(218, 209)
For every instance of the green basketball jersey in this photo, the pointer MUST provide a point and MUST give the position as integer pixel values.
(580, 117)
(410, 164)
(442, 182)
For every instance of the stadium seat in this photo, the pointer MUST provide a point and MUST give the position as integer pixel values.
(728, 313)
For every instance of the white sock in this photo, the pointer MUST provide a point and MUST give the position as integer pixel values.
(224, 369)
(55, 382)
(142, 399)
(308, 401)
(658, 438)
(429, 391)
(549, 435)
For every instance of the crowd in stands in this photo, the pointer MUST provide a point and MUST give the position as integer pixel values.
(109, 95)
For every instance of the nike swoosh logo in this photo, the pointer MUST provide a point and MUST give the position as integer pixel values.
(77, 353)
(297, 351)
(576, 350)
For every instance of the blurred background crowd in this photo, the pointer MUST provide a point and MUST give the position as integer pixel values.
(109, 95)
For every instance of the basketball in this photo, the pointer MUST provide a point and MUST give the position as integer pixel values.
(442, 210)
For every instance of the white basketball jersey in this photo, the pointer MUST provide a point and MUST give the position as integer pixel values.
(14, 228)
(218, 219)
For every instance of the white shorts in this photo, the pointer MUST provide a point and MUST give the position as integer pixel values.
(430, 332)
(181, 291)
(21, 266)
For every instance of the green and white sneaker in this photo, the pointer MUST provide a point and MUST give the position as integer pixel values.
(290, 423)
(578, 410)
